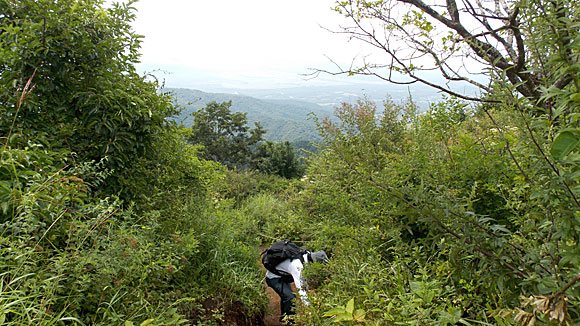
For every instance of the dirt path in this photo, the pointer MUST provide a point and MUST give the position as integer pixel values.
(272, 316)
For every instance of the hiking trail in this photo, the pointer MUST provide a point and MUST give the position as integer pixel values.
(272, 315)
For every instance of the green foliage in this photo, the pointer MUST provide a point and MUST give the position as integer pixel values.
(433, 217)
(173, 182)
(69, 256)
(346, 313)
(564, 143)
(241, 185)
(225, 136)
(460, 215)
(105, 216)
(275, 218)
(227, 269)
(277, 158)
(86, 94)
(480, 205)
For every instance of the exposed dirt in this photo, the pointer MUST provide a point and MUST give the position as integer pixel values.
(272, 316)
(231, 314)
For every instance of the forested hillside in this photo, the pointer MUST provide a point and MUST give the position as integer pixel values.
(469, 213)
(283, 120)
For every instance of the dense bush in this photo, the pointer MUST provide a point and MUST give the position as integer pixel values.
(241, 185)
(278, 159)
(70, 256)
(105, 215)
(69, 82)
(437, 218)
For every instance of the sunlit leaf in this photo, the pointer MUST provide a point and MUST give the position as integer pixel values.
(342, 317)
(350, 306)
(334, 311)
(147, 322)
(359, 315)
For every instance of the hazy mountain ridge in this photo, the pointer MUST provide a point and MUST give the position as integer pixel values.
(286, 112)
(332, 96)
(283, 119)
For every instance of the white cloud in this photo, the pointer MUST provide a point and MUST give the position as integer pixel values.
(233, 36)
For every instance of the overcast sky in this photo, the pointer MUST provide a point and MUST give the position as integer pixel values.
(257, 42)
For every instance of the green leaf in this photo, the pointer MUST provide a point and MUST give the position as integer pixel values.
(148, 322)
(5, 207)
(415, 286)
(575, 97)
(129, 323)
(67, 319)
(359, 315)
(342, 317)
(564, 143)
(334, 311)
(350, 306)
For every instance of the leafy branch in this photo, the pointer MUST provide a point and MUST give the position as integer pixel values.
(433, 218)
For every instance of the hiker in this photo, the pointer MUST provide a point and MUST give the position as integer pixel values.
(285, 261)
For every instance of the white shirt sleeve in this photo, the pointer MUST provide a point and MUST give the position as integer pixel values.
(293, 267)
(296, 272)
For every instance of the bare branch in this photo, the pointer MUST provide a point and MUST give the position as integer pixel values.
(494, 32)
(566, 287)
(482, 49)
(453, 12)
(495, 41)
(369, 37)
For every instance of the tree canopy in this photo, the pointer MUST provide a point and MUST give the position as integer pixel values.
(76, 84)
(277, 158)
(225, 135)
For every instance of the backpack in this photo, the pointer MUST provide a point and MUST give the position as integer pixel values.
(277, 253)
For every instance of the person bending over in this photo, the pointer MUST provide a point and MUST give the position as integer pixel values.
(288, 270)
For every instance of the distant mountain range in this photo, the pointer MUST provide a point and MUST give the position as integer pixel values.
(283, 119)
(286, 112)
(333, 95)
